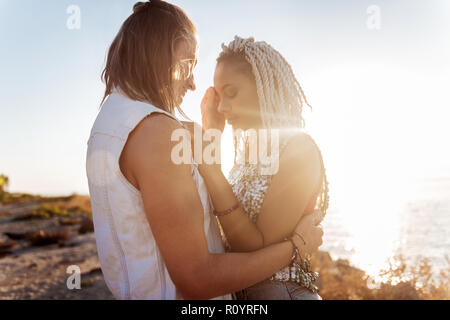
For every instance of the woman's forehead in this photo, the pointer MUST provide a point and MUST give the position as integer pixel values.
(227, 73)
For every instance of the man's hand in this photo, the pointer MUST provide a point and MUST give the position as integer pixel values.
(308, 230)
(211, 117)
(205, 170)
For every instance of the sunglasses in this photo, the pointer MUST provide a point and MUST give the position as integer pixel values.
(184, 69)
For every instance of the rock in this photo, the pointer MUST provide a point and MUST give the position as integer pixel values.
(405, 291)
(87, 226)
(323, 258)
(16, 236)
(7, 245)
(93, 271)
(70, 221)
(5, 213)
(47, 237)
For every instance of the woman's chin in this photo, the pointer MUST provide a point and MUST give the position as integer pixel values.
(232, 124)
(245, 124)
(236, 126)
(240, 126)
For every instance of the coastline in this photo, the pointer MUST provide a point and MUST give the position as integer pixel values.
(41, 237)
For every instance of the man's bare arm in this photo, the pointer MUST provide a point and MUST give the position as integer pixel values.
(175, 214)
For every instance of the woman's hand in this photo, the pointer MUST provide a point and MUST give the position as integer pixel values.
(308, 230)
(211, 117)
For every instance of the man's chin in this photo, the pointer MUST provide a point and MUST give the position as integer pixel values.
(179, 101)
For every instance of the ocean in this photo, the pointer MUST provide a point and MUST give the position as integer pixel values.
(416, 225)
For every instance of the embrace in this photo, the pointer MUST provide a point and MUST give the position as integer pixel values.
(167, 229)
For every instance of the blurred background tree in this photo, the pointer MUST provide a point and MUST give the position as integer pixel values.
(4, 181)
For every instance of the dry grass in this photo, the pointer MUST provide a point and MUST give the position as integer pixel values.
(340, 281)
(78, 203)
(62, 207)
(14, 198)
(45, 211)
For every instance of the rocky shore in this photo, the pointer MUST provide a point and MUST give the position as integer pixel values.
(41, 238)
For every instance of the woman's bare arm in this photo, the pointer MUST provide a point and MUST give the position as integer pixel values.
(288, 196)
(242, 234)
(291, 190)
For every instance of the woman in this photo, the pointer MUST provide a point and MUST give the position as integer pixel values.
(255, 88)
(156, 234)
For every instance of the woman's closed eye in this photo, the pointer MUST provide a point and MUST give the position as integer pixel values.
(231, 92)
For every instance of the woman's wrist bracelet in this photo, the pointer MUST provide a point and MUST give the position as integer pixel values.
(227, 212)
(297, 234)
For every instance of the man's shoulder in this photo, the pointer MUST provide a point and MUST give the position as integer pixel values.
(158, 125)
(151, 140)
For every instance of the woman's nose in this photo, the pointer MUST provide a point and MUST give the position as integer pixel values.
(223, 107)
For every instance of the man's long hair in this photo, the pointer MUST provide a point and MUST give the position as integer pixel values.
(140, 61)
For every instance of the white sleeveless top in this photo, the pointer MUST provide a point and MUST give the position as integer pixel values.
(131, 262)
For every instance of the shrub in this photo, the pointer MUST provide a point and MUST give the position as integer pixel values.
(401, 280)
(46, 211)
(4, 182)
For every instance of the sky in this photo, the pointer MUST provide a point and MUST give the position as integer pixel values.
(380, 97)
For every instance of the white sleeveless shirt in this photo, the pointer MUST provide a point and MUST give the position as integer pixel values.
(131, 262)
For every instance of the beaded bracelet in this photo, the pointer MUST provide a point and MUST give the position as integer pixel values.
(227, 212)
(296, 252)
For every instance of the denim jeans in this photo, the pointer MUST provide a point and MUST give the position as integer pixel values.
(276, 290)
